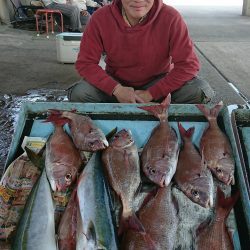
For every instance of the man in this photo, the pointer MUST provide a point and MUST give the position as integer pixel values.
(82, 5)
(149, 54)
(68, 10)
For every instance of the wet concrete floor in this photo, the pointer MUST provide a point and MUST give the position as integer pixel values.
(9, 109)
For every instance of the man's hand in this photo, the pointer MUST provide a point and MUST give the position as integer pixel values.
(126, 94)
(144, 95)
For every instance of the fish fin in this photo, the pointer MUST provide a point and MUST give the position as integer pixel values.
(149, 242)
(203, 161)
(216, 109)
(226, 203)
(91, 233)
(57, 119)
(131, 222)
(36, 159)
(111, 133)
(159, 110)
(149, 197)
(185, 133)
(55, 111)
(176, 204)
(203, 225)
(210, 113)
(138, 190)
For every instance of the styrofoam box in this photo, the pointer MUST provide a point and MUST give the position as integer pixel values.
(68, 46)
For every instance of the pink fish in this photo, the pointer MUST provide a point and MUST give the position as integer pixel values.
(68, 225)
(215, 235)
(85, 134)
(122, 168)
(160, 154)
(160, 220)
(62, 160)
(192, 175)
(216, 147)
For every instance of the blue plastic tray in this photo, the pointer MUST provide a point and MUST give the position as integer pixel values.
(109, 116)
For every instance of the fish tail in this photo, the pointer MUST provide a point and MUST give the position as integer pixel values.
(130, 222)
(185, 133)
(210, 113)
(159, 110)
(55, 111)
(225, 204)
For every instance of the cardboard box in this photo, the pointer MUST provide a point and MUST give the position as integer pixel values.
(68, 46)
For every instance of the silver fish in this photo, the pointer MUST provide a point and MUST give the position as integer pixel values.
(36, 229)
(95, 228)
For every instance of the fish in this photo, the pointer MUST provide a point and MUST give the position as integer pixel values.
(159, 216)
(36, 228)
(213, 234)
(63, 159)
(192, 175)
(85, 134)
(122, 169)
(160, 154)
(95, 229)
(216, 146)
(68, 225)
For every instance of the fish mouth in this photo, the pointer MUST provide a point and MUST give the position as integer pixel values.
(162, 182)
(231, 180)
(105, 143)
(53, 185)
(209, 203)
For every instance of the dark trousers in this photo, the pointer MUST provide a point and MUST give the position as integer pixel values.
(196, 90)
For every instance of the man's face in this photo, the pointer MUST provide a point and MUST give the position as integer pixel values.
(135, 9)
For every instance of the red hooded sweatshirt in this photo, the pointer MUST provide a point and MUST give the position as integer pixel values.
(136, 55)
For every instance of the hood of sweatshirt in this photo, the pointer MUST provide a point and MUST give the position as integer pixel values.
(116, 9)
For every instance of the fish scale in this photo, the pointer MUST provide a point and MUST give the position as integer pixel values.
(216, 147)
(121, 165)
(214, 235)
(160, 154)
(160, 220)
(192, 175)
(62, 159)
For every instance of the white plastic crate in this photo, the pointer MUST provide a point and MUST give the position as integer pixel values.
(68, 46)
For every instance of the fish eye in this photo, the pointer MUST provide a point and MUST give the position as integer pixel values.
(218, 170)
(151, 170)
(68, 177)
(195, 193)
(90, 144)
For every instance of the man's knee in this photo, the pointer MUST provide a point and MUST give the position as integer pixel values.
(194, 91)
(76, 93)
